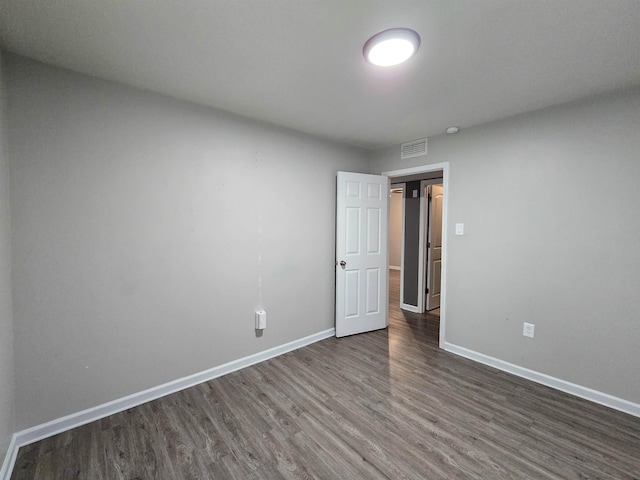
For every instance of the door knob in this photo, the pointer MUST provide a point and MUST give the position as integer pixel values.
(343, 264)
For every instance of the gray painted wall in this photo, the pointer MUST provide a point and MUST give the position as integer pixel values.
(138, 223)
(411, 243)
(7, 385)
(550, 206)
(395, 230)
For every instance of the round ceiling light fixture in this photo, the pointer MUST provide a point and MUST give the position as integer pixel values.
(452, 130)
(391, 47)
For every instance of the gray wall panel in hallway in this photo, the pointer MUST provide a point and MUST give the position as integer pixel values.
(139, 222)
(411, 243)
(550, 206)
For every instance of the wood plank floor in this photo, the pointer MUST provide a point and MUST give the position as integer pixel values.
(383, 405)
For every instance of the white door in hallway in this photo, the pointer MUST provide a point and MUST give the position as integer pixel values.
(434, 247)
(362, 281)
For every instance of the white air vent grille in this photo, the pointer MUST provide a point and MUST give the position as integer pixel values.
(413, 149)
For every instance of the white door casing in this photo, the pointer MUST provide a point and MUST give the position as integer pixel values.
(434, 246)
(443, 167)
(362, 297)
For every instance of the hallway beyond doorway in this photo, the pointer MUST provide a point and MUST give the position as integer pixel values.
(429, 320)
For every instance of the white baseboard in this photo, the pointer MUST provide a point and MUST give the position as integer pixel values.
(9, 459)
(409, 308)
(391, 267)
(544, 379)
(39, 432)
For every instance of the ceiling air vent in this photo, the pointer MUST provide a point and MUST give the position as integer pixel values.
(413, 149)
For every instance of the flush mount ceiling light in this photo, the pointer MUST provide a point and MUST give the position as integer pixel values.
(391, 47)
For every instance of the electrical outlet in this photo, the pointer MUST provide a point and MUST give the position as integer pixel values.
(528, 330)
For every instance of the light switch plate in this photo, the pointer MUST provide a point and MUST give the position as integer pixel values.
(459, 228)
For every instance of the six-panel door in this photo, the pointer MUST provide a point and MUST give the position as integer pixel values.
(361, 253)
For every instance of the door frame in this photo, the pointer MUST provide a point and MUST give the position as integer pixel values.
(444, 167)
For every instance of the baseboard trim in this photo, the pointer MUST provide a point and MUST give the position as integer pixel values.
(409, 308)
(578, 390)
(9, 459)
(391, 267)
(39, 432)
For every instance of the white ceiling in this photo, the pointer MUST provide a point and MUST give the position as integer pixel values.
(298, 63)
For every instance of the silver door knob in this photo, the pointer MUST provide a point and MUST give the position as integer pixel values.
(343, 264)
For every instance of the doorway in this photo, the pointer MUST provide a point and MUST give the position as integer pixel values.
(415, 246)
(428, 266)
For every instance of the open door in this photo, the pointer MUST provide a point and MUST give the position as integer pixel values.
(362, 296)
(434, 246)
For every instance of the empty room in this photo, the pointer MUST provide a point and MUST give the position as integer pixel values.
(319, 239)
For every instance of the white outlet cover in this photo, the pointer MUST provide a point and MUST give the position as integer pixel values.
(528, 330)
(459, 228)
(261, 319)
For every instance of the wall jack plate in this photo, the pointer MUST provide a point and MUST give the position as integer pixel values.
(261, 319)
(528, 330)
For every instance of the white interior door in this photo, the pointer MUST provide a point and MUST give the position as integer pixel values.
(362, 296)
(434, 247)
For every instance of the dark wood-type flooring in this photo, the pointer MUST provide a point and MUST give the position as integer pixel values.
(382, 405)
